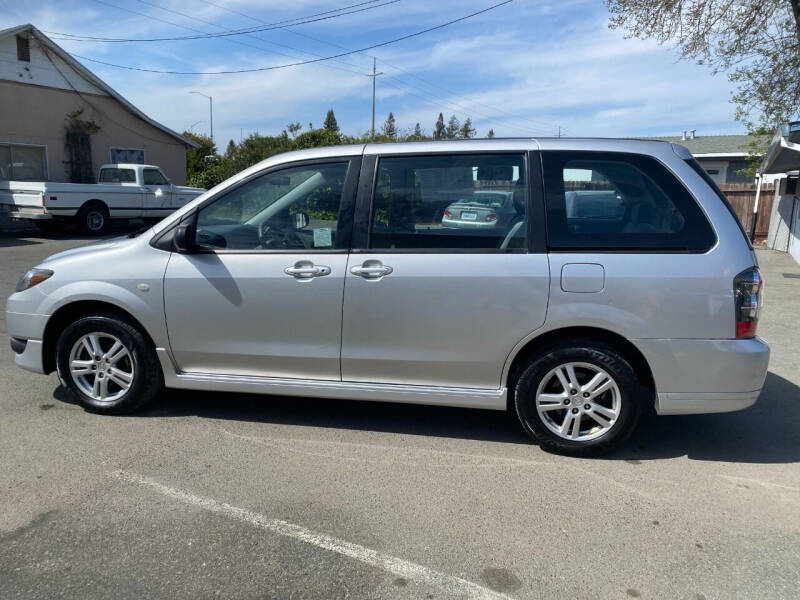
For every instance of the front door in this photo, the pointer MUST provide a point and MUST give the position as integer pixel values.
(443, 283)
(158, 194)
(263, 297)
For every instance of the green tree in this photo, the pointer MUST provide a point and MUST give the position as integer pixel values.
(490, 134)
(231, 149)
(294, 129)
(438, 129)
(758, 39)
(196, 157)
(330, 122)
(417, 134)
(467, 130)
(453, 128)
(389, 128)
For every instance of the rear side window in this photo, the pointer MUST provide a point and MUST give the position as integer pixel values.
(458, 202)
(620, 201)
(721, 195)
(117, 176)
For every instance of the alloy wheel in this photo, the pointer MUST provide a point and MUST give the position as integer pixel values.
(578, 401)
(101, 366)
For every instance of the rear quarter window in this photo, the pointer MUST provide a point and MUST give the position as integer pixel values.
(620, 201)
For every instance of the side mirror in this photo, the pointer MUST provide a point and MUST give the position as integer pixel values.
(183, 239)
(300, 220)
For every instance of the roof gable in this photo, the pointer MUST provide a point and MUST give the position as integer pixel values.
(91, 83)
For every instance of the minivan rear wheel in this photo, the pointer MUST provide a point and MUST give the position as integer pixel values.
(108, 365)
(580, 398)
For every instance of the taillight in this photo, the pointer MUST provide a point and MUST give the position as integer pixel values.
(491, 217)
(747, 298)
(43, 199)
(447, 213)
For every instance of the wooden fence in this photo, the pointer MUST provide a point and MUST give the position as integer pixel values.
(742, 197)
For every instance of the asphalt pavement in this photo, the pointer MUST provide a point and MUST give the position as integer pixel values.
(214, 495)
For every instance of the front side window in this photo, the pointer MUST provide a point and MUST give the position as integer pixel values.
(117, 176)
(292, 209)
(22, 163)
(619, 201)
(154, 177)
(450, 202)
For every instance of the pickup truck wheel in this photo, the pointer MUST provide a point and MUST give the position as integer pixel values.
(94, 219)
(580, 398)
(108, 365)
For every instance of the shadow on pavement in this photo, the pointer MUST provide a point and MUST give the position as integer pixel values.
(8, 240)
(768, 432)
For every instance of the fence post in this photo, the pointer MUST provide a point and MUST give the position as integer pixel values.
(759, 179)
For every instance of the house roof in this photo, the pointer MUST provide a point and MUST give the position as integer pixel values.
(92, 78)
(712, 145)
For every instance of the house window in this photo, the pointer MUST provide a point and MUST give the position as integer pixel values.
(127, 155)
(23, 49)
(20, 162)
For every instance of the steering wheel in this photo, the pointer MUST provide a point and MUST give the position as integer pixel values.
(279, 238)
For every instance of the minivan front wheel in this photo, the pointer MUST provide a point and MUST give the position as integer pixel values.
(108, 365)
(580, 398)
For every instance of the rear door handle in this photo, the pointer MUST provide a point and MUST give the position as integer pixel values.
(305, 269)
(371, 269)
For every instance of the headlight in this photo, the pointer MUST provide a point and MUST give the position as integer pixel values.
(32, 278)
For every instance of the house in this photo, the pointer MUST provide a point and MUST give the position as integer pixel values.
(782, 160)
(60, 122)
(722, 156)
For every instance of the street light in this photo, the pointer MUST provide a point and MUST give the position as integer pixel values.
(210, 111)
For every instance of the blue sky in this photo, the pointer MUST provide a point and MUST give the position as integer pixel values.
(525, 68)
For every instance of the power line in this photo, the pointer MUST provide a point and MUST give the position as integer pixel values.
(306, 62)
(276, 25)
(537, 123)
(239, 42)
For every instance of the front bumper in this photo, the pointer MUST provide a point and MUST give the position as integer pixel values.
(31, 357)
(705, 376)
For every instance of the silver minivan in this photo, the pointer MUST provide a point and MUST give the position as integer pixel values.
(623, 281)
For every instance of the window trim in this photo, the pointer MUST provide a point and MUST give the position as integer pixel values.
(344, 220)
(366, 199)
(46, 164)
(111, 154)
(655, 249)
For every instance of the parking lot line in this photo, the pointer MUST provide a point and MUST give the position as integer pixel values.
(451, 585)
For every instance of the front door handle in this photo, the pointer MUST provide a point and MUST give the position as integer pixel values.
(305, 269)
(371, 269)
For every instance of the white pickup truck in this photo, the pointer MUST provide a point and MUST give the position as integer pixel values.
(123, 191)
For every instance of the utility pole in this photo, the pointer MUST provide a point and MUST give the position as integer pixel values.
(374, 76)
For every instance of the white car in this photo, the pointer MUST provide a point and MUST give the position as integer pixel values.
(123, 191)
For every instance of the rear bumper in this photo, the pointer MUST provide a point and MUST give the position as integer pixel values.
(693, 404)
(706, 376)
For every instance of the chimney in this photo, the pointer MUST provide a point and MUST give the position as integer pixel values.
(692, 133)
(683, 137)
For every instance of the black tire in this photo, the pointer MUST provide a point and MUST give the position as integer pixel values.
(147, 380)
(538, 371)
(93, 218)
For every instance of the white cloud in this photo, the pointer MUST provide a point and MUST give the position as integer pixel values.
(523, 69)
